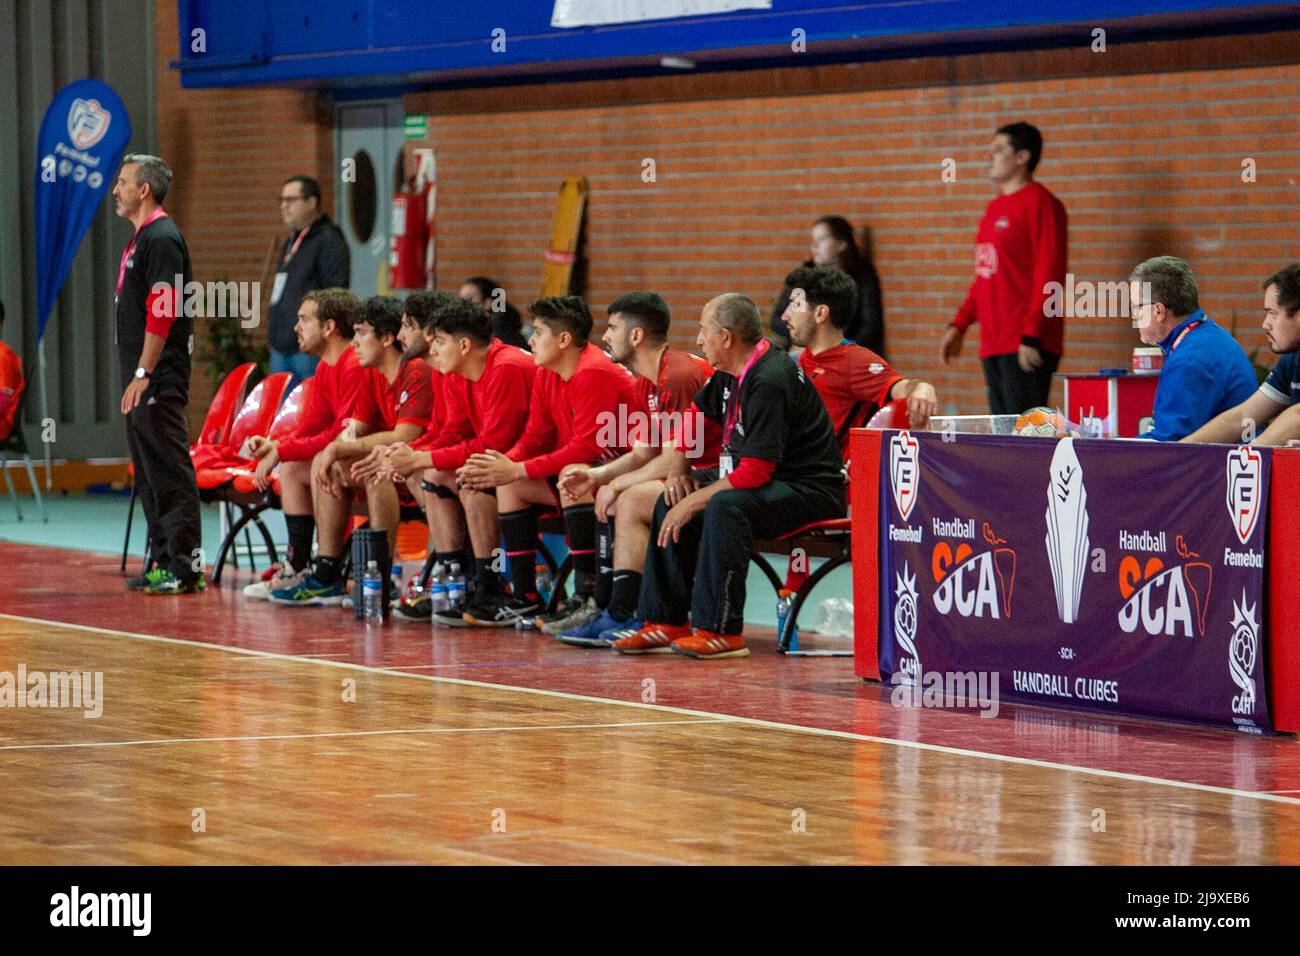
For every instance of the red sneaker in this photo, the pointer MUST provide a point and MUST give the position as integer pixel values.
(652, 639)
(710, 644)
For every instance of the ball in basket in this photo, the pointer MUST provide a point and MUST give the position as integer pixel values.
(1041, 422)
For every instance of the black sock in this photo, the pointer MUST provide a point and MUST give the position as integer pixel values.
(447, 559)
(328, 569)
(627, 592)
(300, 532)
(519, 529)
(604, 563)
(486, 575)
(580, 529)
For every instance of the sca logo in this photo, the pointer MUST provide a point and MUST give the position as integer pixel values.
(1165, 600)
(975, 583)
(904, 471)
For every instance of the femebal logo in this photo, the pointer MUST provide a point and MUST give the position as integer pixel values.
(904, 471)
(87, 122)
(1067, 529)
(1242, 654)
(1245, 465)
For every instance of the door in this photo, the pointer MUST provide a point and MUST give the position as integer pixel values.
(368, 143)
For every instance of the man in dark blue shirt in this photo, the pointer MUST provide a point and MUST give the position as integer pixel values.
(1205, 371)
(1275, 406)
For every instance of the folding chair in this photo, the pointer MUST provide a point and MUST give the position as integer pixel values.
(15, 443)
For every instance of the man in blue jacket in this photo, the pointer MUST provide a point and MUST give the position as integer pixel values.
(1205, 370)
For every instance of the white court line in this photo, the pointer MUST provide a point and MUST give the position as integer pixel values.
(664, 708)
(354, 733)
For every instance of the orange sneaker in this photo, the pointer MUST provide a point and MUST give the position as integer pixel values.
(652, 639)
(711, 644)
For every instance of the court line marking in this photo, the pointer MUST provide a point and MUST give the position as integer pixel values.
(353, 733)
(665, 708)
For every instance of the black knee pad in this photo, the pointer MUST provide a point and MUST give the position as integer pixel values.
(442, 491)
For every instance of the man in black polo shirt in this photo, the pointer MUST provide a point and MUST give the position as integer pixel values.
(315, 256)
(780, 468)
(153, 350)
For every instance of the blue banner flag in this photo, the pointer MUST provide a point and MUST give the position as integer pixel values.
(82, 138)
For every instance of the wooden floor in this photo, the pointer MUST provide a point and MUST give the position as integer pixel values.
(414, 768)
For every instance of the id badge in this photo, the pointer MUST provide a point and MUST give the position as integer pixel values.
(277, 290)
(726, 465)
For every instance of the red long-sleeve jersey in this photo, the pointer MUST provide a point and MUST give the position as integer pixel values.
(569, 420)
(488, 414)
(329, 405)
(1019, 249)
(11, 387)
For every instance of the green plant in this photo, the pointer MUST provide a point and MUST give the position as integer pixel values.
(226, 344)
(1261, 371)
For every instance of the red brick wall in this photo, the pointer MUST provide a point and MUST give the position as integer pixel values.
(230, 151)
(1145, 162)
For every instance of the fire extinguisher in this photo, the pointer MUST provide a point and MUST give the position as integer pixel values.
(410, 236)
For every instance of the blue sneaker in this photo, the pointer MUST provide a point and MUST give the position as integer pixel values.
(588, 635)
(309, 591)
(619, 631)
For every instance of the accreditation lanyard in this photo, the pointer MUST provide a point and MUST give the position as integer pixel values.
(1183, 334)
(129, 251)
(294, 248)
(733, 413)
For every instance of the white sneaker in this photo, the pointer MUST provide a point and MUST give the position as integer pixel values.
(283, 579)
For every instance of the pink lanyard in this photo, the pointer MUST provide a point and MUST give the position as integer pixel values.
(734, 413)
(1183, 334)
(130, 248)
(294, 249)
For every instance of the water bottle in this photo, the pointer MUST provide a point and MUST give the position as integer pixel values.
(397, 577)
(372, 593)
(439, 598)
(544, 582)
(835, 617)
(783, 604)
(455, 587)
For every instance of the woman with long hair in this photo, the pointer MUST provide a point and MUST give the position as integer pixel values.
(833, 244)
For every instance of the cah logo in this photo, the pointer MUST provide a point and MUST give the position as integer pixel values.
(1067, 529)
(1242, 653)
(977, 584)
(1002, 223)
(87, 122)
(904, 471)
(905, 625)
(1164, 600)
(986, 260)
(1244, 467)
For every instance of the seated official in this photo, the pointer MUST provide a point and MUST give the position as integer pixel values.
(1205, 371)
(780, 468)
(1274, 407)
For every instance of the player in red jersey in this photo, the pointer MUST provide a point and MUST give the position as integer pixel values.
(11, 383)
(395, 403)
(324, 330)
(577, 397)
(628, 487)
(1019, 251)
(486, 389)
(854, 382)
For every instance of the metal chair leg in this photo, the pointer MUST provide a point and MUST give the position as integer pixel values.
(4, 466)
(792, 619)
(126, 540)
(36, 488)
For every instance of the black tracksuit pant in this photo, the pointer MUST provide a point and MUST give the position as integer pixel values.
(704, 572)
(158, 436)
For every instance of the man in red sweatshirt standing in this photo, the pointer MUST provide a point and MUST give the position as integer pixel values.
(1019, 250)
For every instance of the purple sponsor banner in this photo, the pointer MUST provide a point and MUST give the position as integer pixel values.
(1118, 576)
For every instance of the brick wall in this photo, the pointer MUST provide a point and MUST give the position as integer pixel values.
(230, 151)
(1145, 162)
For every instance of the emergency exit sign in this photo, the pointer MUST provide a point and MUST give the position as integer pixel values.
(416, 127)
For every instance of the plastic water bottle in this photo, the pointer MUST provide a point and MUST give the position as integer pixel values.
(783, 605)
(455, 587)
(439, 598)
(397, 577)
(835, 617)
(544, 582)
(372, 593)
